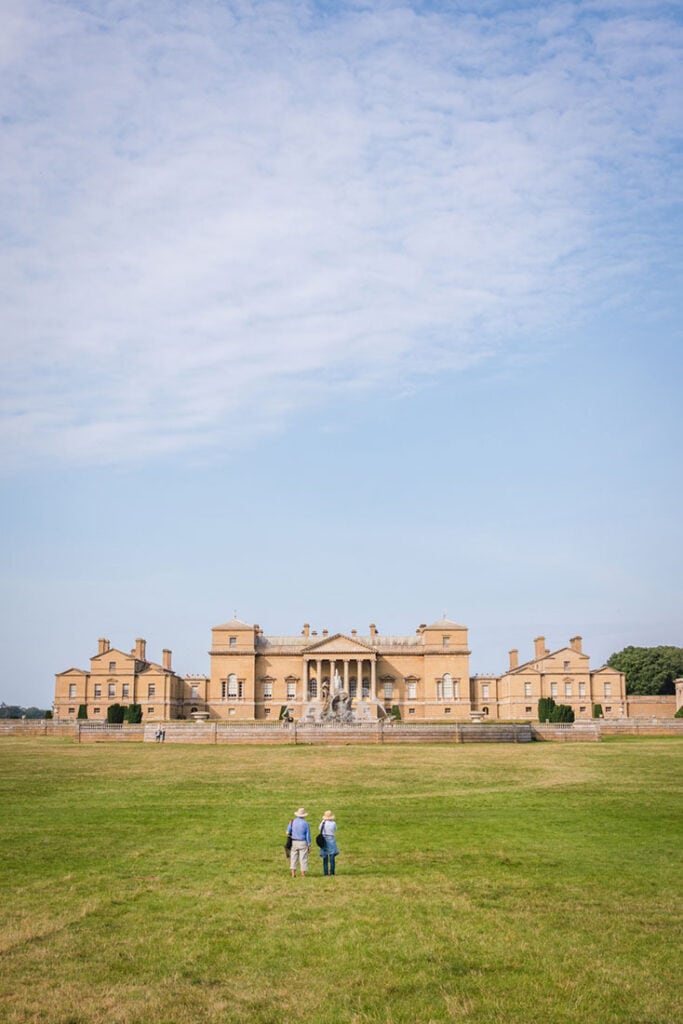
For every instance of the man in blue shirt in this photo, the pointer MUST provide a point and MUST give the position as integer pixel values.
(300, 831)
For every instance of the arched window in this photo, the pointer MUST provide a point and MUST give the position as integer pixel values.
(485, 710)
(232, 685)
(447, 686)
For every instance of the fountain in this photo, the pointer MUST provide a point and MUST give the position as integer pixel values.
(336, 707)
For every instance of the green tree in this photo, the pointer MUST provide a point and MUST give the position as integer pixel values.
(562, 713)
(649, 670)
(546, 706)
(597, 711)
(82, 711)
(133, 714)
(115, 713)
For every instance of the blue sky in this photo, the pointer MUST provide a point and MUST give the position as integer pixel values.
(338, 313)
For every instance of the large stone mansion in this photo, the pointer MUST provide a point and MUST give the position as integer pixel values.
(421, 677)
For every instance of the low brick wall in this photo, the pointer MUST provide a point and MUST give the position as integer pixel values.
(643, 727)
(315, 733)
(584, 732)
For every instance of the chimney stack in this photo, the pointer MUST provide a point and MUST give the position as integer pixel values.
(306, 631)
(325, 632)
(373, 630)
(166, 659)
(102, 645)
(539, 647)
(514, 658)
(354, 632)
(575, 644)
(140, 646)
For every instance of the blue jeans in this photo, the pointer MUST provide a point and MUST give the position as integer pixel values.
(328, 863)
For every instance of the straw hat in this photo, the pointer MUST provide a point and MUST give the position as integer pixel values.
(328, 816)
(301, 813)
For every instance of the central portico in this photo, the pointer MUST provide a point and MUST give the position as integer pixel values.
(342, 663)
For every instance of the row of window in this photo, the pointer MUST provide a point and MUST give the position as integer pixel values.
(111, 690)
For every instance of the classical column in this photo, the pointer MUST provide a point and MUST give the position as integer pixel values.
(305, 680)
(346, 675)
(373, 679)
(359, 677)
(319, 683)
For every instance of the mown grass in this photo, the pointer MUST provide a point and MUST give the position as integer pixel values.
(534, 883)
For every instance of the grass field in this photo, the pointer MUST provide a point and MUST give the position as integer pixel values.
(523, 883)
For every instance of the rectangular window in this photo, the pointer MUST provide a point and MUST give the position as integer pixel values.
(125, 690)
(232, 685)
(608, 689)
(240, 690)
(72, 711)
(98, 690)
(291, 691)
(456, 688)
(582, 709)
(411, 711)
(553, 689)
(150, 711)
(484, 691)
(582, 689)
(151, 690)
(412, 691)
(267, 691)
(224, 691)
(527, 710)
(266, 711)
(527, 689)
(567, 666)
(95, 711)
(388, 691)
(608, 708)
(112, 666)
(111, 690)
(72, 690)
(194, 693)
(233, 641)
(567, 689)
(446, 711)
(447, 641)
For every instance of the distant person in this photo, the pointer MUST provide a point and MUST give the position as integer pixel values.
(300, 831)
(328, 852)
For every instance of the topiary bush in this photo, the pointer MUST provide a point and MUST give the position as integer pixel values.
(562, 713)
(597, 711)
(115, 714)
(133, 714)
(82, 711)
(546, 706)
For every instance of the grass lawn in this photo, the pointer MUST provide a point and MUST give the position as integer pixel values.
(524, 883)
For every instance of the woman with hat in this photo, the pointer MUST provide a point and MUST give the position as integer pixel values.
(328, 852)
(300, 831)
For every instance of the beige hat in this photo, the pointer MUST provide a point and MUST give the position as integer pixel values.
(301, 813)
(328, 816)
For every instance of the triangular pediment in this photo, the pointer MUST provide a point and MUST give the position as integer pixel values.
(339, 644)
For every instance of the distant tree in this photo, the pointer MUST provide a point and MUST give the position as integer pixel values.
(48, 713)
(14, 711)
(82, 711)
(10, 711)
(649, 670)
(115, 713)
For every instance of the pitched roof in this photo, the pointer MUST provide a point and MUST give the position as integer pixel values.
(234, 624)
(446, 624)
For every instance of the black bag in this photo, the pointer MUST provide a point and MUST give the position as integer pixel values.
(288, 844)
(320, 840)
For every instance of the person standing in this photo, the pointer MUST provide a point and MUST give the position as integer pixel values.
(328, 852)
(300, 831)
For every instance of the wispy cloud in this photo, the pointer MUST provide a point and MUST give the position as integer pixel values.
(216, 214)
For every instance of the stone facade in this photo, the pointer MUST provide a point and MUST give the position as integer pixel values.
(422, 677)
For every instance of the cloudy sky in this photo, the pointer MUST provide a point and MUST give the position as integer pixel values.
(338, 312)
